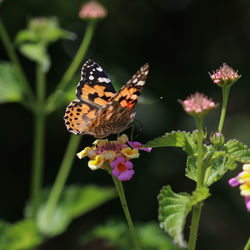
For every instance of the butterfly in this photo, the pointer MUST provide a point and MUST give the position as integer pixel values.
(98, 109)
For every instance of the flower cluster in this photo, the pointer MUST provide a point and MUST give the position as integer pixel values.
(113, 156)
(225, 75)
(243, 179)
(92, 10)
(198, 104)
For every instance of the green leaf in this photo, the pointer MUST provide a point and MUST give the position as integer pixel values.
(237, 150)
(175, 139)
(173, 210)
(117, 235)
(38, 53)
(33, 41)
(10, 87)
(216, 170)
(21, 235)
(43, 30)
(75, 201)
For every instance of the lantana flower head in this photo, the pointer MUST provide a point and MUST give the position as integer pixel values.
(225, 75)
(243, 179)
(113, 156)
(92, 10)
(198, 104)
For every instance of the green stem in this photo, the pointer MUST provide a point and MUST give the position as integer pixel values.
(200, 174)
(200, 178)
(120, 191)
(61, 178)
(225, 94)
(247, 247)
(73, 67)
(13, 57)
(194, 226)
(39, 142)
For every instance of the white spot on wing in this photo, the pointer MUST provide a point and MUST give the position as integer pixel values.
(135, 80)
(141, 83)
(103, 79)
(99, 69)
(91, 78)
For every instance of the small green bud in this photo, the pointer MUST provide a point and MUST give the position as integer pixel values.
(217, 139)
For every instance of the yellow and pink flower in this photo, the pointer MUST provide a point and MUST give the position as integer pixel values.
(113, 156)
(243, 179)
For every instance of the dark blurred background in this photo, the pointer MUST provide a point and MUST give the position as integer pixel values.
(182, 40)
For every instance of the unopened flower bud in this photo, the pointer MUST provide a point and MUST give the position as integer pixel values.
(217, 139)
(92, 10)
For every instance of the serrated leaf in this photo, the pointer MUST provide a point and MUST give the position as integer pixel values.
(10, 84)
(214, 172)
(174, 139)
(237, 150)
(20, 235)
(173, 209)
(75, 201)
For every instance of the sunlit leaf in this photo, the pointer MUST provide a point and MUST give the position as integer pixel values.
(20, 235)
(174, 208)
(10, 84)
(237, 150)
(174, 139)
(75, 201)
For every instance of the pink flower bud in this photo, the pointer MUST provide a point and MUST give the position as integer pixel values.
(225, 75)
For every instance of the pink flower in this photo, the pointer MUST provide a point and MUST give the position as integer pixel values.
(225, 75)
(122, 169)
(198, 104)
(92, 10)
(137, 145)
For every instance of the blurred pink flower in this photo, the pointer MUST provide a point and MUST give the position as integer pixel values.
(198, 104)
(225, 75)
(92, 10)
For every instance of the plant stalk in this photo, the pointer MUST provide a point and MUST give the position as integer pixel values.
(51, 103)
(200, 179)
(120, 191)
(225, 94)
(61, 178)
(247, 246)
(194, 226)
(39, 142)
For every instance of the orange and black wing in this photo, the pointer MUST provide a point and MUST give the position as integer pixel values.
(78, 115)
(130, 93)
(94, 85)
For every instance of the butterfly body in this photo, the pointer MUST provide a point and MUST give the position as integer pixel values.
(98, 109)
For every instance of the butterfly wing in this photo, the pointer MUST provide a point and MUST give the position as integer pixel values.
(94, 91)
(118, 114)
(94, 86)
(78, 115)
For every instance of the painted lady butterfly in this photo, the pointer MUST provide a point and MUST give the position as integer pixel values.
(98, 109)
